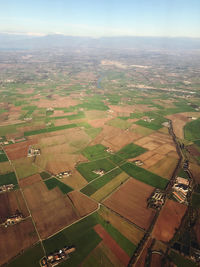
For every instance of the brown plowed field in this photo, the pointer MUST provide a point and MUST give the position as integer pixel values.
(112, 244)
(30, 180)
(51, 210)
(118, 138)
(15, 239)
(10, 202)
(140, 262)
(130, 201)
(75, 181)
(169, 220)
(83, 204)
(156, 260)
(18, 150)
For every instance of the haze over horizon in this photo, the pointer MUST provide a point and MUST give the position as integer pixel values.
(177, 18)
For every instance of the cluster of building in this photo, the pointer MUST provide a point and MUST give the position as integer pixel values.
(138, 162)
(157, 199)
(147, 119)
(55, 258)
(109, 150)
(65, 173)
(50, 109)
(166, 124)
(13, 219)
(6, 188)
(28, 119)
(33, 152)
(99, 171)
(180, 189)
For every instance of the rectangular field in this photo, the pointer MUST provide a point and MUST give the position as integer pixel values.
(144, 176)
(130, 201)
(130, 151)
(53, 182)
(86, 169)
(100, 182)
(95, 152)
(8, 178)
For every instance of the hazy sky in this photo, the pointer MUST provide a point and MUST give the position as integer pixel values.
(102, 17)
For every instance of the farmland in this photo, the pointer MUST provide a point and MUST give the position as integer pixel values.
(93, 139)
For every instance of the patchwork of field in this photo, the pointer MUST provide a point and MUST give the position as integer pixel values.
(17, 238)
(169, 220)
(112, 244)
(132, 206)
(115, 138)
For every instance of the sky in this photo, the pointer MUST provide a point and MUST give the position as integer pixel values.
(97, 18)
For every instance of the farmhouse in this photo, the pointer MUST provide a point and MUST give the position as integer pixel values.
(166, 124)
(138, 162)
(109, 150)
(180, 189)
(147, 119)
(33, 152)
(157, 199)
(65, 173)
(13, 219)
(55, 258)
(6, 188)
(99, 171)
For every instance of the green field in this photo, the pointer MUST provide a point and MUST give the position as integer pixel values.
(29, 258)
(156, 124)
(53, 182)
(196, 200)
(144, 176)
(3, 156)
(130, 151)
(8, 178)
(50, 129)
(95, 152)
(45, 175)
(192, 130)
(115, 159)
(101, 181)
(86, 169)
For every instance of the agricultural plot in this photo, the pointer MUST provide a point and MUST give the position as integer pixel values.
(86, 169)
(10, 202)
(130, 151)
(3, 156)
(95, 152)
(53, 182)
(100, 182)
(8, 178)
(43, 204)
(17, 238)
(132, 206)
(144, 176)
(119, 123)
(45, 175)
(50, 129)
(156, 124)
(192, 129)
(25, 167)
(30, 257)
(196, 200)
(181, 261)
(109, 187)
(169, 220)
(5, 167)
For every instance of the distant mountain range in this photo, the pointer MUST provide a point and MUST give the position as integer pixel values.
(16, 41)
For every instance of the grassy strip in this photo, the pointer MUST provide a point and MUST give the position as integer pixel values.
(86, 169)
(53, 182)
(51, 129)
(144, 176)
(97, 184)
